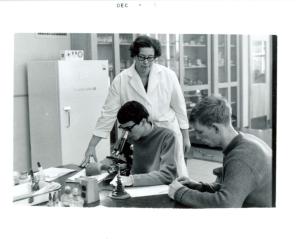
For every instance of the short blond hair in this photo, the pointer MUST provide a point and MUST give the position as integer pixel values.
(211, 109)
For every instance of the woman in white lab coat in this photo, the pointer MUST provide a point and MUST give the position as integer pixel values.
(154, 86)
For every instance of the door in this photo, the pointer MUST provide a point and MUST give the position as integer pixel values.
(83, 87)
(260, 82)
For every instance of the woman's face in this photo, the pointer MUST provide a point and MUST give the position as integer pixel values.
(144, 60)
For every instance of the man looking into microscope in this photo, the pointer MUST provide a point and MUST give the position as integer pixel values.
(153, 148)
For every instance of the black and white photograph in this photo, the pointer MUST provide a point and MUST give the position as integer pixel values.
(181, 120)
(147, 119)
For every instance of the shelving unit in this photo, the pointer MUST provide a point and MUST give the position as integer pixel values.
(169, 50)
(105, 51)
(125, 41)
(195, 67)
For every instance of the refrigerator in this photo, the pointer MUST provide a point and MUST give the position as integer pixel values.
(65, 100)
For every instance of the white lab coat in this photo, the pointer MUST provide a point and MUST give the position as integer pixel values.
(164, 101)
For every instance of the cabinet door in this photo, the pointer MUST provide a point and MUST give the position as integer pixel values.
(83, 87)
(169, 51)
(195, 67)
(125, 40)
(226, 61)
(173, 54)
(192, 97)
(105, 51)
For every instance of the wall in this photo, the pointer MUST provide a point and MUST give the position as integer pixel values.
(29, 47)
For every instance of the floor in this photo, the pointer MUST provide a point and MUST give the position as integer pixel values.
(201, 170)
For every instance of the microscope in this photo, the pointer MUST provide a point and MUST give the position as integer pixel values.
(121, 148)
(120, 159)
(122, 155)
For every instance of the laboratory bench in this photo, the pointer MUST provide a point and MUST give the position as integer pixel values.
(200, 164)
(199, 168)
(153, 201)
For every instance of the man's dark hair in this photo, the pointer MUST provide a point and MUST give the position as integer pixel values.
(132, 111)
(145, 41)
(212, 109)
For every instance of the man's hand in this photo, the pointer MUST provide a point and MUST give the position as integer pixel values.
(173, 187)
(189, 183)
(90, 152)
(126, 180)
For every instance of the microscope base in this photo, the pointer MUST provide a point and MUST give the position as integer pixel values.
(123, 195)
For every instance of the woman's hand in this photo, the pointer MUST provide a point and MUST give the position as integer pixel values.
(186, 140)
(90, 152)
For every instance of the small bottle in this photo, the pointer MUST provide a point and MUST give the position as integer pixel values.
(66, 198)
(55, 199)
(41, 173)
(34, 182)
(77, 199)
(50, 201)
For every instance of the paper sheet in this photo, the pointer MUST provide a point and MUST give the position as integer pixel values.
(82, 173)
(54, 173)
(78, 175)
(23, 191)
(147, 191)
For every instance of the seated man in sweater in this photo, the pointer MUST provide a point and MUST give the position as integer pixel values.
(153, 148)
(246, 179)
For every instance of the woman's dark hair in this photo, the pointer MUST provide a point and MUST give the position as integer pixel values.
(132, 111)
(145, 41)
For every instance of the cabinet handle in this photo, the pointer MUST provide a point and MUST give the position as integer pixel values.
(67, 109)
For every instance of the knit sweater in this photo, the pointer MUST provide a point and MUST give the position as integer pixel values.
(246, 179)
(153, 158)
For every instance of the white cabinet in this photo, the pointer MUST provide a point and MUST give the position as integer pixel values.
(65, 98)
